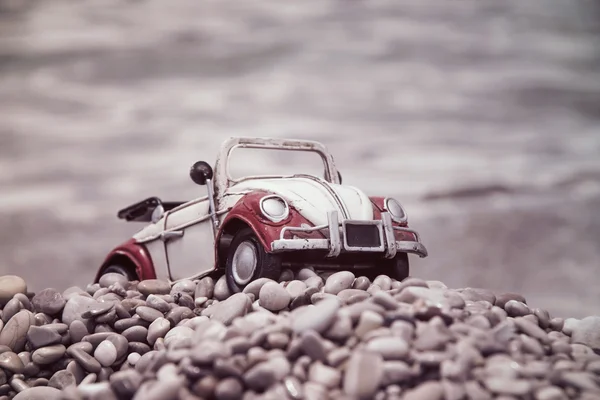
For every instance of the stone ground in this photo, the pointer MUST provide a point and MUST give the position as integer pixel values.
(480, 116)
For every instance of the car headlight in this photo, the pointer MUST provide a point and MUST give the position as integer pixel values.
(274, 208)
(395, 209)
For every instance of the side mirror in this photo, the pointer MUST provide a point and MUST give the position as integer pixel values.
(200, 172)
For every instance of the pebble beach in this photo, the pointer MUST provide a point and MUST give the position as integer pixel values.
(305, 336)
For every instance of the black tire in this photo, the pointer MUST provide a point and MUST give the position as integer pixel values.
(397, 268)
(267, 265)
(119, 269)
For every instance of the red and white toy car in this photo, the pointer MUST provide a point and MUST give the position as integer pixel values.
(254, 226)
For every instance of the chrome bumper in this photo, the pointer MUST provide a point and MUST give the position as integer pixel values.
(338, 242)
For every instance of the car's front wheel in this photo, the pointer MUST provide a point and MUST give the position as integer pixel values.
(397, 268)
(247, 260)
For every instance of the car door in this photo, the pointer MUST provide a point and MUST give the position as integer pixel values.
(189, 240)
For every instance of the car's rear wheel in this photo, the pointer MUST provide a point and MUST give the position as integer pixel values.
(120, 269)
(247, 260)
(397, 268)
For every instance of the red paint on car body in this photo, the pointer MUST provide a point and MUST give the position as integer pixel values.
(137, 254)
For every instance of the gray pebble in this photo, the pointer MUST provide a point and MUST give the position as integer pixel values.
(157, 329)
(221, 289)
(516, 308)
(153, 286)
(148, 314)
(389, 347)
(312, 345)
(226, 311)
(184, 286)
(339, 281)
(317, 318)
(125, 383)
(157, 303)
(305, 273)
(383, 281)
(587, 332)
(364, 374)
(286, 275)
(507, 386)
(106, 353)
(40, 336)
(49, 354)
(205, 288)
(427, 390)
(315, 282)
(14, 333)
(112, 278)
(62, 379)
(229, 389)
(274, 297)
(296, 288)
(75, 307)
(136, 334)
(324, 375)
(96, 309)
(504, 298)
(39, 393)
(11, 308)
(85, 360)
(10, 361)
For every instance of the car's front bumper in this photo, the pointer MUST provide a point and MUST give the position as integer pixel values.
(379, 238)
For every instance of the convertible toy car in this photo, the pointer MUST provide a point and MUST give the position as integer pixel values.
(253, 226)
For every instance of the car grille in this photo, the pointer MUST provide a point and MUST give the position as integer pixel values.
(363, 235)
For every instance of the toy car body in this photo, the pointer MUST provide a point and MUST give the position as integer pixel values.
(254, 226)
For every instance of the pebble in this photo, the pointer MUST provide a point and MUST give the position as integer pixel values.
(516, 308)
(14, 333)
(364, 374)
(428, 390)
(106, 353)
(587, 332)
(49, 354)
(318, 317)
(507, 386)
(153, 286)
(221, 291)
(40, 336)
(157, 329)
(296, 288)
(39, 393)
(389, 347)
(226, 311)
(205, 288)
(9, 286)
(339, 281)
(274, 297)
(10, 361)
(148, 313)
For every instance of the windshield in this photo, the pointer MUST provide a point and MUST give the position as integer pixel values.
(248, 162)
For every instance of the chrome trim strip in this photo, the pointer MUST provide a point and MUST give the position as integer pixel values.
(390, 238)
(334, 234)
(412, 247)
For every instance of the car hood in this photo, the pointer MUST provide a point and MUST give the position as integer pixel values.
(313, 198)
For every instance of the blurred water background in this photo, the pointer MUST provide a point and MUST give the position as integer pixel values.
(481, 116)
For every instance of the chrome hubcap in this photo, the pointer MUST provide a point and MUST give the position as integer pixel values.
(244, 263)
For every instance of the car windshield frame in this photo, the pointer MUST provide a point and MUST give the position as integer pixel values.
(223, 178)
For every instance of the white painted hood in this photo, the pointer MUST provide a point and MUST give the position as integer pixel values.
(312, 198)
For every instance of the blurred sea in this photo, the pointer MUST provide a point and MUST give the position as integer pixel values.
(482, 117)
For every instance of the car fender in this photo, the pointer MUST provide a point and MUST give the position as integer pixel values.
(136, 254)
(247, 212)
